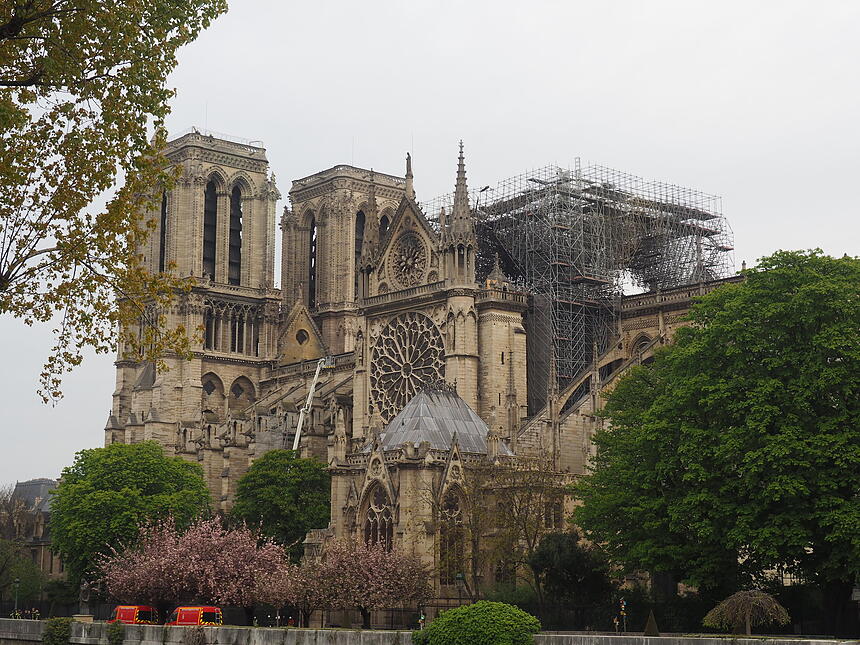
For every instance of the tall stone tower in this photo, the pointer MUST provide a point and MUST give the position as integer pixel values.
(215, 225)
(323, 240)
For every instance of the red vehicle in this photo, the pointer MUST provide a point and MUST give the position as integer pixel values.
(195, 616)
(134, 615)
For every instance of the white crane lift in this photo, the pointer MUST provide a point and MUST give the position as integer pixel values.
(323, 363)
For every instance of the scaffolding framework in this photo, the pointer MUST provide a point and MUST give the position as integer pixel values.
(578, 239)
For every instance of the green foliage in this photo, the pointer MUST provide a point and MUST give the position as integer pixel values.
(738, 450)
(569, 569)
(482, 623)
(115, 633)
(286, 496)
(81, 84)
(15, 562)
(108, 493)
(57, 631)
(61, 592)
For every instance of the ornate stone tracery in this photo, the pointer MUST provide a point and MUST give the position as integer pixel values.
(407, 354)
(409, 260)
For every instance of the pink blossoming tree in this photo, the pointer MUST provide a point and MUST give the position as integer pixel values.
(207, 563)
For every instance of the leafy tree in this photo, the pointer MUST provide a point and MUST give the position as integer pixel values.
(745, 610)
(108, 493)
(206, 563)
(481, 623)
(15, 563)
(738, 450)
(286, 496)
(82, 84)
(569, 569)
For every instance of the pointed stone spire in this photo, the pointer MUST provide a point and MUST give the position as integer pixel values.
(462, 224)
(497, 277)
(410, 189)
(552, 381)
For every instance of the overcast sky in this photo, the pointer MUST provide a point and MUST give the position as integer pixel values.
(755, 101)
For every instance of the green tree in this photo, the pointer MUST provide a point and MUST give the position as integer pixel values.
(286, 496)
(82, 86)
(571, 570)
(109, 493)
(738, 450)
(15, 563)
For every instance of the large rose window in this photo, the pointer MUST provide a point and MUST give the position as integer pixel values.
(409, 260)
(407, 355)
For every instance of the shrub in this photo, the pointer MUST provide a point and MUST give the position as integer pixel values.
(57, 631)
(745, 610)
(483, 623)
(115, 633)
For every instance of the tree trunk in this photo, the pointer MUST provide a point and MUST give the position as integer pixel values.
(249, 616)
(365, 618)
(747, 620)
(306, 617)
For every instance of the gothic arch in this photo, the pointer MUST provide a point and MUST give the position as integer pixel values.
(452, 540)
(377, 516)
(385, 219)
(212, 396)
(245, 183)
(242, 394)
(639, 343)
(217, 175)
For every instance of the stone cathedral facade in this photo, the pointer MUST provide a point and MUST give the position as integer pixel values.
(428, 364)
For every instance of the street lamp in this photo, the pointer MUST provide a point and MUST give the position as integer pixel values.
(16, 584)
(460, 582)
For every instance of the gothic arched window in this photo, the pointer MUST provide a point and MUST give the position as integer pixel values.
(451, 540)
(234, 264)
(162, 234)
(384, 222)
(312, 262)
(378, 519)
(210, 228)
(359, 242)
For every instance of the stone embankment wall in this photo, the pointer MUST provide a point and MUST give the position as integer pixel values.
(26, 632)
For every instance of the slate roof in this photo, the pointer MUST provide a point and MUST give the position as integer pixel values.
(434, 415)
(35, 493)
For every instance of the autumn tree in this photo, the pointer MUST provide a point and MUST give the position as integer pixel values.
(108, 493)
(82, 87)
(285, 496)
(737, 452)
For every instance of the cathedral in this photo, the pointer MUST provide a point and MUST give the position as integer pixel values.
(428, 361)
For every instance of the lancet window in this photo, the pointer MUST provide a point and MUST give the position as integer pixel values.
(312, 262)
(234, 268)
(378, 519)
(451, 539)
(359, 242)
(162, 234)
(210, 228)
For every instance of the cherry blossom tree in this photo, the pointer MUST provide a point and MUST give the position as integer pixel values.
(207, 563)
(368, 577)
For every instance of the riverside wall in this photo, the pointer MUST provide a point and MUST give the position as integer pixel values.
(29, 632)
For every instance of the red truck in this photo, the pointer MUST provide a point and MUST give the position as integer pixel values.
(134, 615)
(207, 616)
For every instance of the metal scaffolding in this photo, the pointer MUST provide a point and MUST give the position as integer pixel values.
(578, 239)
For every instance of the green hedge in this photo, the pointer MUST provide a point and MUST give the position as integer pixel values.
(483, 623)
(57, 631)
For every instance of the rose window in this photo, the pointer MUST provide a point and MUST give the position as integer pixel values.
(407, 355)
(409, 260)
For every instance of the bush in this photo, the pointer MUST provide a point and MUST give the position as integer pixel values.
(483, 623)
(57, 631)
(115, 633)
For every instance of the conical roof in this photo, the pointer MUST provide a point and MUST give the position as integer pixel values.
(435, 415)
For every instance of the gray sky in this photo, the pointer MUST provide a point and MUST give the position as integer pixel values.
(754, 101)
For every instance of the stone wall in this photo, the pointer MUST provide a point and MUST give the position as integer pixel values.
(25, 632)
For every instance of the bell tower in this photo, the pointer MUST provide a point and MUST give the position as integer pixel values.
(337, 216)
(216, 226)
